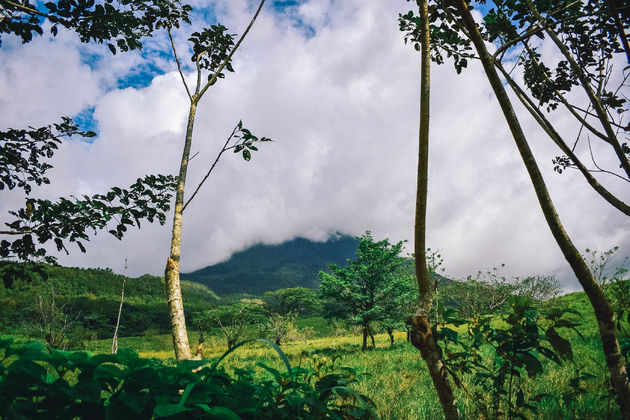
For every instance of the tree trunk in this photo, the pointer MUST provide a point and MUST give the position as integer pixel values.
(391, 336)
(421, 335)
(603, 311)
(171, 274)
(365, 335)
(122, 300)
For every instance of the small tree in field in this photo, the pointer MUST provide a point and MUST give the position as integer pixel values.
(400, 304)
(231, 320)
(295, 299)
(279, 328)
(367, 286)
(53, 318)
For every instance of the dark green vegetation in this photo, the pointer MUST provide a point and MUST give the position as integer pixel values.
(261, 268)
(37, 383)
(375, 287)
(40, 300)
(24, 161)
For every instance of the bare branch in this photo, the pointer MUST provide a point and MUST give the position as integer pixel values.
(15, 232)
(223, 150)
(600, 169)
(179, 67)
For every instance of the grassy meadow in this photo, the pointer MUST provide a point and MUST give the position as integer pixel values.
(396, 378)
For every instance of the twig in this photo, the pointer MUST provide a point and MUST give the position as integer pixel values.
(13, 232)
(605, 171)
(532, 31)
(223, 150)
(179, 67)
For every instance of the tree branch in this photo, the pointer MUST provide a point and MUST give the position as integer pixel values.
(26, 9)
(223, 150)
(13, 232)
(229, 57)
(179, 67)
(564, 101)
(559, 141)
(531, 31)
(599, 109)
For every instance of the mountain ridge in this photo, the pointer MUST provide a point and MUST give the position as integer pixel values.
(263, 267)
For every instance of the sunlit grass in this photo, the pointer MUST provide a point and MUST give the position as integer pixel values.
(396, 377)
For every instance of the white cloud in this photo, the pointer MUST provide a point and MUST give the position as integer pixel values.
(342, 108)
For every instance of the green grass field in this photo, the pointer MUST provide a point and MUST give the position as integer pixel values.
(396, 378)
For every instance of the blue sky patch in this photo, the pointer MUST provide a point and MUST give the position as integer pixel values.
(287, 9)
(86, 122)
(140, 76)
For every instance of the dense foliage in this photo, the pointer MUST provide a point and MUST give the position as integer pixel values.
(36, 382)
(367, 286)
(88, 299)
(121, 25)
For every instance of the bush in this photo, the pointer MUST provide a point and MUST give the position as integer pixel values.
(40, 382)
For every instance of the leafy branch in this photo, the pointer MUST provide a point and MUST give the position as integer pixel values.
(244, 142)
(23, 153)
(71, 219)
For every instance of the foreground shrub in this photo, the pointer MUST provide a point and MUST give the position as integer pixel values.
(37, 382)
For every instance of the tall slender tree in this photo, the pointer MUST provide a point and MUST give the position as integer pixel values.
(422, 334)
(213, 50)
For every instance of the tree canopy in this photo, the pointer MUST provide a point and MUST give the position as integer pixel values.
(368, 285)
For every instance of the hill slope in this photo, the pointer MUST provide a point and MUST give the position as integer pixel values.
(90, 298)
(261, 268)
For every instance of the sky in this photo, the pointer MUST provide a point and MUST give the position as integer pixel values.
(336, 88)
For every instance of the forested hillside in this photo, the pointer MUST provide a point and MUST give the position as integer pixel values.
(261, 267)
(90, 298)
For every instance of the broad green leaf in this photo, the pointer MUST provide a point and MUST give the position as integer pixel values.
(167, 410)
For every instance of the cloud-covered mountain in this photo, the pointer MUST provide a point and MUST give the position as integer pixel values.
(261, 267)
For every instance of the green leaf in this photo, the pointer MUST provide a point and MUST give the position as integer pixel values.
(559, 344)
(107, 371)
(167, 410)
(247, 155)
(219, 413)
(187, 392)
(531, 363)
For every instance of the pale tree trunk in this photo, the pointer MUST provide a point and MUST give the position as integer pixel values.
(603, 311)
(421, 334)
(171, 273)
(122, 300)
